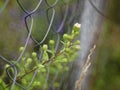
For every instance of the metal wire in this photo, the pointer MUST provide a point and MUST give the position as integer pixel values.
(97, 9)
(29, 16)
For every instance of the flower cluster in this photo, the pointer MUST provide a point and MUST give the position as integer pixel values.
(51, 63)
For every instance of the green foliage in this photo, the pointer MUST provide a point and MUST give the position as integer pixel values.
(51, 64)
(106, 74)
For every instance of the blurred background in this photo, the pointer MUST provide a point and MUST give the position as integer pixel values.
(100, 25)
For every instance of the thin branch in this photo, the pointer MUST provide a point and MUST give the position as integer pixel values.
(84, 70)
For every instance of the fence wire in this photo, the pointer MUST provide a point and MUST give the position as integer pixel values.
(67, 19)
(29, 16)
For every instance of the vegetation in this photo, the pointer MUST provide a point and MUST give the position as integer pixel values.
(41, 73)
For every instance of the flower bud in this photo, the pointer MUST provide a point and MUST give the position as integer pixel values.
(29, 60)
(7, 65)
(70, 37)
(68, 43)
(52, 42)
(77, 42)
(65, 36)
(40, 66)
(76, 27)
(67, 50)
(34, 54)
(45, 47)
(64, 60)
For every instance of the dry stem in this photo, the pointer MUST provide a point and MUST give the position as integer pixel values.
(84, 69)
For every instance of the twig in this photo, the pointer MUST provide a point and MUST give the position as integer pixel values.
(84, 70)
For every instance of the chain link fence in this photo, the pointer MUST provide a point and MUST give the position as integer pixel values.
(40, 21)
(59, 17)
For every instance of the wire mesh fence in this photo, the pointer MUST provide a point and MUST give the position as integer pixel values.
(55, 23)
